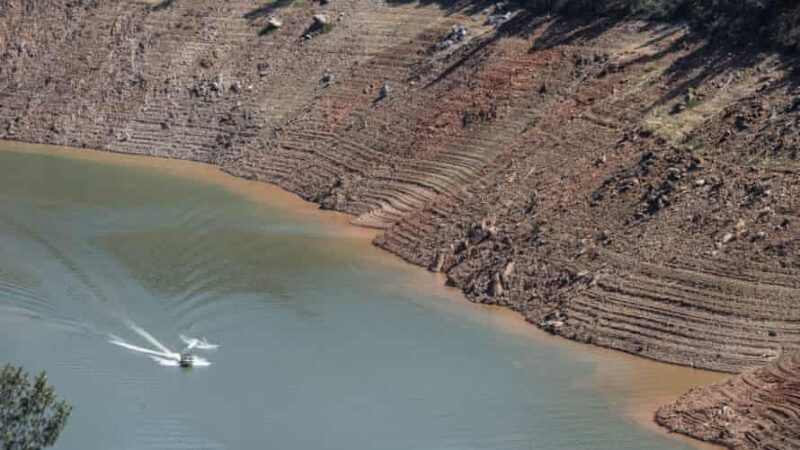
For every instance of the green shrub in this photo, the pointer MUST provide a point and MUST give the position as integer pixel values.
(31, 416)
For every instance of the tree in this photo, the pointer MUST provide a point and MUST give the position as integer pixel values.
(31, 416)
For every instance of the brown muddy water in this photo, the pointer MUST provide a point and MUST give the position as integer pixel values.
(325, 342)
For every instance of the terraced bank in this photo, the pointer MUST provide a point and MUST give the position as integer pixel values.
(625, 184)
(758, 409)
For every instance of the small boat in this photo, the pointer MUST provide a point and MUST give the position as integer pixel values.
(186, 360)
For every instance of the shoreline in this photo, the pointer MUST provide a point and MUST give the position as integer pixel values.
(647, 373)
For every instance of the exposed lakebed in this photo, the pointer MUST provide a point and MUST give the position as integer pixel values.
(326, 342)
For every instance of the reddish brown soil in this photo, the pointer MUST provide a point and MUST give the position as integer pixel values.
(626, 184)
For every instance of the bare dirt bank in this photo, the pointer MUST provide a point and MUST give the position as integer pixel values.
(757, 409)
(624, 184)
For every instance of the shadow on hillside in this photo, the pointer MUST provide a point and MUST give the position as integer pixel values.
(522, 25)
(165, 4)
(268, 9)
(704, 60)
(572, 31)
(695, 57)
(450, 6)
(701, 58)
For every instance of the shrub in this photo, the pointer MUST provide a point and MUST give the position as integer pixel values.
(31, 416)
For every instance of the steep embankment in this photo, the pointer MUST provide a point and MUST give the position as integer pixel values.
(624, 184)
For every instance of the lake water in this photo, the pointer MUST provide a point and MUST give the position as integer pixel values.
(325, 342)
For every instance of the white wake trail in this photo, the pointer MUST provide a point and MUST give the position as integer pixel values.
(201, 343)
(165, 362)
(167, 354)
(143, 333)
(163, 355)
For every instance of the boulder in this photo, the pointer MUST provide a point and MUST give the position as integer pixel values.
(320, 20)
(326, 80)
(385, 90)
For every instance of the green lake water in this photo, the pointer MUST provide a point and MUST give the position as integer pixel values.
(322, 345)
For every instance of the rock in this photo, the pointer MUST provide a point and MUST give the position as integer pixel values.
(385, 90)
(116, 28)
(678, 108)
(552, 325)
(691, 98)
(438, 262)
(124, 135)
(319, 21)
(205, 63)
(604, 237)
(700, 183)
(583, 275)
(456, 35)
(763, 212)
(272, 24)
(728, 237)
(497, 20)
(674, 174)
(509, 270)
(695, 162)
(496, 286)
(263, 69)
(326, 80)
(600, 161)
(319, 24)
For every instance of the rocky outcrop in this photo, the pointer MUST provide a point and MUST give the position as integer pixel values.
(624, 184)
(758, 409)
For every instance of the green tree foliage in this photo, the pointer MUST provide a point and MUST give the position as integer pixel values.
(31, 416)
(774, 21)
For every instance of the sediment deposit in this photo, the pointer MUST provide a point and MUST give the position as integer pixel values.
(626, 184)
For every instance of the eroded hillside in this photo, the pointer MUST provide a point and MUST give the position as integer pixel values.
(626, 184)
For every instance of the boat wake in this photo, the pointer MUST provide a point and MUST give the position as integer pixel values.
(162, 354)
(201, 343)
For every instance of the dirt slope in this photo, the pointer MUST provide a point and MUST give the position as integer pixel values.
(623, 184)
(759, 409)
